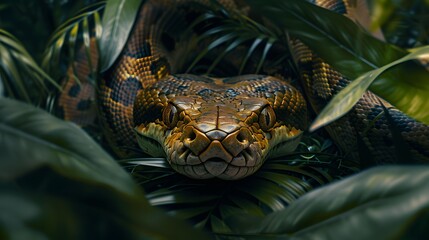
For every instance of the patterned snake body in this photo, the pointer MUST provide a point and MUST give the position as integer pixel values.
(367, 120)
(222, 127)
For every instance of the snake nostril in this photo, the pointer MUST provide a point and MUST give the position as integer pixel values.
(238, 141)
(242, 137)
(194, 140)
(191, 136)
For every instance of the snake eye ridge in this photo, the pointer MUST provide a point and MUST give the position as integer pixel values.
(170, 116)
(267, 118)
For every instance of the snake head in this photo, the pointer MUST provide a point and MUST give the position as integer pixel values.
(208, 135)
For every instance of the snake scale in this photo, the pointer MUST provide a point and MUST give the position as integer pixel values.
(221, 127)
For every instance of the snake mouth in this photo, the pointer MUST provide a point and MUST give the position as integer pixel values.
(215, 166)
(197, 167)
(233, 157)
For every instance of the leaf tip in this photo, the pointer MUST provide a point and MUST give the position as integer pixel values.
(315, 125)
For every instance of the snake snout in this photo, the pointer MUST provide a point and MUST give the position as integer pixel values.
(238, 141)
(221, 154)
(194, 140)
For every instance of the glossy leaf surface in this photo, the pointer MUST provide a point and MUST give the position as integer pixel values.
(58, 183)
(353, 52)
(388, 202)
(118, 20)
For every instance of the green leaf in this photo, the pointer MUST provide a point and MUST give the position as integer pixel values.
(61, 145)
(267, 48)
(350, 95)
(231, 47)
(59, 184)
(87, 45)
(218, 225)
(382, 11)
(23, 77)
(408, 91)
(252, 48)
(203, 202)
(226, 30)
(343, 44)
(404, 23)
(216, 43)
(388, 202)
(74, 31)
(118, 20)
(353, 52)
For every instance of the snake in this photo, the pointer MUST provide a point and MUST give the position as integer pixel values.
(221, 127)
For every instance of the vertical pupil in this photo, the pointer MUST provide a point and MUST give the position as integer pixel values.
(267, 118)
(172, 114)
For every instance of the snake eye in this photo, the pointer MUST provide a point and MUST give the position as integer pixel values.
(170, 116)
(267, 118)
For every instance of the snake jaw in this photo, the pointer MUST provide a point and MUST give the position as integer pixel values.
(200, 158)
(215, 154)
(149, 139)
(200, 149)
(286, 140)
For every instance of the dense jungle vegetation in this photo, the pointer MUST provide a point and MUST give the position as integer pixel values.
(58, 181)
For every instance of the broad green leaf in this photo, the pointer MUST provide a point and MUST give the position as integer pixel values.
(410, 90)
(59, 184)
(276, 185)
(334, 37)
(352, 52)
(389, 202)
(269, 189)
(350, 95)
(118, 20)
(52, 142)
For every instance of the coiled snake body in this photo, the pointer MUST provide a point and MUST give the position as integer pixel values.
(221, 127)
